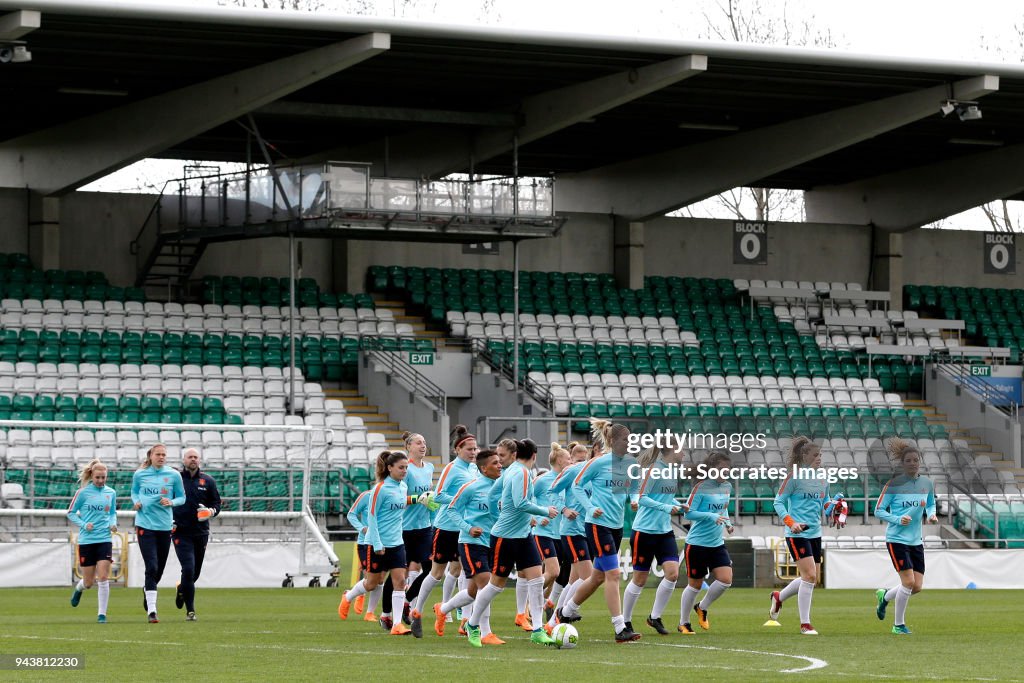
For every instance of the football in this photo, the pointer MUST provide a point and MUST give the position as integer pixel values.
(566, 637)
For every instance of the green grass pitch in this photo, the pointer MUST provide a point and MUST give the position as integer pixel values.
(295, 635)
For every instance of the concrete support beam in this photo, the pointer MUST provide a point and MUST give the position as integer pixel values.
(887, 265)
(908, 199)
(629, 253)
(662, 182)
(436, 153)
(44, 231)
(355, 112)
(65, 157)
(18, 24)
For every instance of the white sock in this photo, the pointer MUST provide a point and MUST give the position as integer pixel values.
(102, 595)
(485, 622)
(374, 599)
(714, 592)
(791, 589)
(661, 597)
(151, 601)
(521, 596)
(902, 598)
(412, 576)
(398, 598)
(460, 599)
(566, 595)
(570, 609)
(629, 598)
(484, 597)
(428, 585)
(356, 591)
(618, 623)
(535, 599)
(804, 601)
(80, 586)
(686, 602)
(890, 594)
(556, 592)
(467, 611)
(448, 588)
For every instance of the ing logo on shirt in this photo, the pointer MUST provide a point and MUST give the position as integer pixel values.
(808, 495)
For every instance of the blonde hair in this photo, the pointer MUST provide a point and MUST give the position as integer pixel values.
(557, 452)
(576, 446)
(899, 448)
(648, 456)
(148, 462)
(601, 430)
(797, 449)
(510, 446)
(85, 476)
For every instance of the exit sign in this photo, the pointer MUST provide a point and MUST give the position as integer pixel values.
(981, 370)
(426, 358)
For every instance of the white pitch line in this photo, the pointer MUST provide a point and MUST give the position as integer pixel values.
(812, 662)
(535, 660)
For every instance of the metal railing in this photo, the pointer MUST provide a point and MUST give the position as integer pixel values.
(539, 392)
(415, 380)
(960, 373)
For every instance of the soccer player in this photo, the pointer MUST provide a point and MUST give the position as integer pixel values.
(799, 504)
(416, 528)
(507, 450)
(191, 530)
(472, 511)
(384, 548)
(653, 537)
(571, 527)
(906, 501)
(608, 484)
(705, 543)
(548, 531)
(444, 549)
(512, 546)
(94, 511)
(156, 489)
(357, 518)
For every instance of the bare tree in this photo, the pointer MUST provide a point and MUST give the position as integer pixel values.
(762, 22)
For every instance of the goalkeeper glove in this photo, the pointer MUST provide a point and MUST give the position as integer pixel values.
(427, 499)
(204, 513)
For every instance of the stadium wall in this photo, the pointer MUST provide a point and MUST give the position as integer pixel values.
(13, 221)
(97, 227)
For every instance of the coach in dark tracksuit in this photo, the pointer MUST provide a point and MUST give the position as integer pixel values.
(190, 533)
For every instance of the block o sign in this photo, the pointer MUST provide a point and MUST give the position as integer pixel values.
(999, 251)
(750, 243)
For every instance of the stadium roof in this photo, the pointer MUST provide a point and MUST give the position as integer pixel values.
(89, 57)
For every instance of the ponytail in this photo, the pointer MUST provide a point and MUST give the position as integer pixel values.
(387, 459)
(800, 446)
(601, 431)
(85, 476)
(525, 449)
(899, 449)
(647, 457)
(462, 435)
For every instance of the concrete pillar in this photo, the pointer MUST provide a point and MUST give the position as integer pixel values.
(44, 231)
(339, 266)
(887, 265)
(629, 254)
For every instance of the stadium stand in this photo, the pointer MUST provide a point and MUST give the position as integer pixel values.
(104, 355)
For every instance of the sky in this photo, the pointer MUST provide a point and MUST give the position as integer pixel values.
(983, 30)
